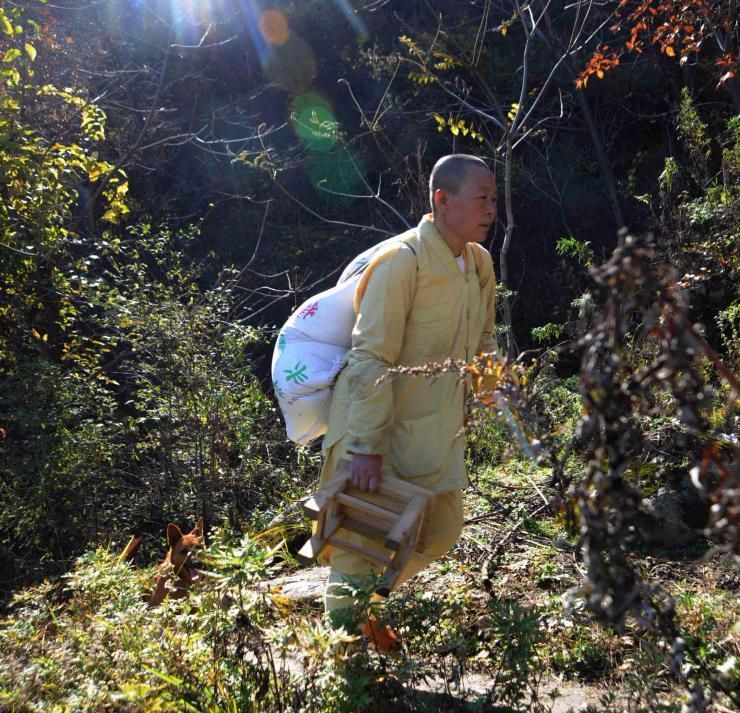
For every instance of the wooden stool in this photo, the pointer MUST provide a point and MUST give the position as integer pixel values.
(392, 517)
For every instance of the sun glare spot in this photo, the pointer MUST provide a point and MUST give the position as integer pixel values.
(335, 174)
(314, 122)
(274, 27)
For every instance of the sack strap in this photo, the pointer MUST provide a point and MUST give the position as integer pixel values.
(477, 257)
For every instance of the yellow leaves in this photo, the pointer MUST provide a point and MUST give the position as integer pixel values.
(116, 211)
(421, 77)
(457, 127)
(503, 28)
(36, 335)
(446, 61)
(285, 605)
(96, 169)
(117, 207)
(513, 111)
(441, 62)
(491, 375)
(484, 387)
(5, 24)
(93, 122)
(30, 51)
(12, 54)
(116, 191)
(410, 44)
(262, 161)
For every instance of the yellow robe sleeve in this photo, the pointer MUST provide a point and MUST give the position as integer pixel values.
(383, 299)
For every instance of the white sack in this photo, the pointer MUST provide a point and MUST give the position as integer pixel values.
(306, 417)
(309, 353)
(311, 349)
(357, 266)
(327, 317)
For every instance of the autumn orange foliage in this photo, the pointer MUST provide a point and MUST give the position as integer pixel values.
(677, 29)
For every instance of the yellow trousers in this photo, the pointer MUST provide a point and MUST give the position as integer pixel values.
(441, 529)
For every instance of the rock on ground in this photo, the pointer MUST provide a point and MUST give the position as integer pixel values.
(304, 584)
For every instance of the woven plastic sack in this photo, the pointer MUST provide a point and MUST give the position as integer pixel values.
(311, 350)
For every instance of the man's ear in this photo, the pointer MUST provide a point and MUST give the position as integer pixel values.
(197, 531)
(440, 198)
(174, 534)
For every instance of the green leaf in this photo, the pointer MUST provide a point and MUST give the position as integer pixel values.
(164, 676)
(12, 54)
(30, 51)
(7, 27)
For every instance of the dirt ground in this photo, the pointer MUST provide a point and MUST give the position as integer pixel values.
(307, 585)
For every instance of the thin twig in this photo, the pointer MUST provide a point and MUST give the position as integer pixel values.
(536, 487)
(510, 533)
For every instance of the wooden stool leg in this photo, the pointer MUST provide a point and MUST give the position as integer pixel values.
(328, 523)
(322, 508)
(391, 519)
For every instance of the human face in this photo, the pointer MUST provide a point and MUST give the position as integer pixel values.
(467, 216)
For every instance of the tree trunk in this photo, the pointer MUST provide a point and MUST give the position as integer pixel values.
(556, 45)
(732, 87)
(512, 349)
(605, 167)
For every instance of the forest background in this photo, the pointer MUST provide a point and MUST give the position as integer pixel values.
(178, 177)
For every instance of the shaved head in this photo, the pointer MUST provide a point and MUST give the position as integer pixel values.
(450, 172)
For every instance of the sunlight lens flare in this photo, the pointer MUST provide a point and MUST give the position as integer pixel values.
(336, 175)
(314, 122)
(189, 17)
(274, 27)
(351, 16)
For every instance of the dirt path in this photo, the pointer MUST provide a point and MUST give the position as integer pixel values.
(308, 585)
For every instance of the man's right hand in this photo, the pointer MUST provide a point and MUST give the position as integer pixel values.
(366, 472)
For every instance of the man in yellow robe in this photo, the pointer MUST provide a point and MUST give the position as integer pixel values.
(427, 298)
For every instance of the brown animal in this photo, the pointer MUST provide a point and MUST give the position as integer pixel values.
(176, 573)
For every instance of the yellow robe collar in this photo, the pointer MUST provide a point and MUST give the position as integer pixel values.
(429, 233)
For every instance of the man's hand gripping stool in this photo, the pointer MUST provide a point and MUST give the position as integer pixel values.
(391, 517)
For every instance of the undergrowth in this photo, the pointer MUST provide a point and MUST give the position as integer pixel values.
(89, 642)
